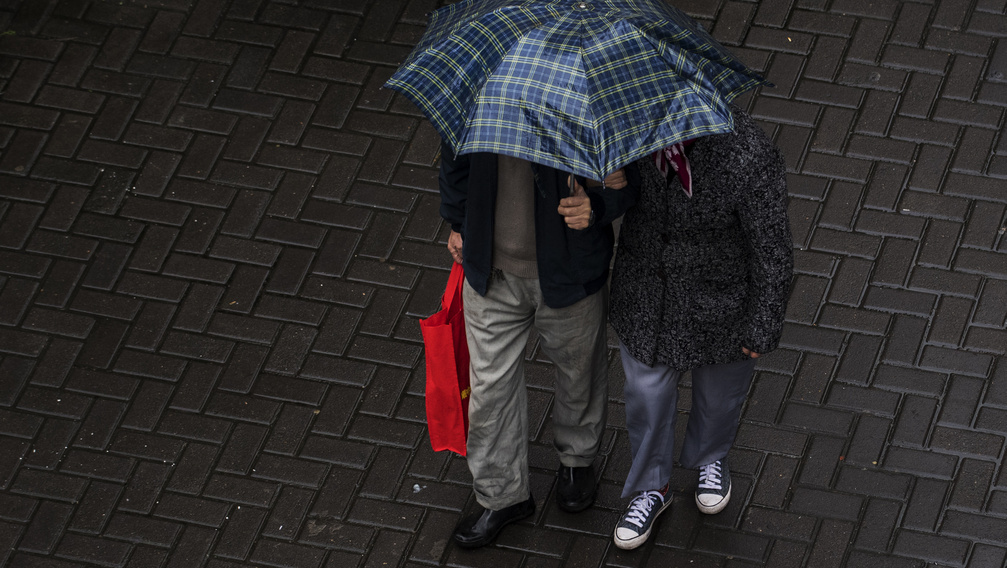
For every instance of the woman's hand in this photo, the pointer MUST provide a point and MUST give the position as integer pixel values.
(750, 353)
(614, 180)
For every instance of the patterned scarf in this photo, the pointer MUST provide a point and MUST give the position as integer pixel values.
(673, 158)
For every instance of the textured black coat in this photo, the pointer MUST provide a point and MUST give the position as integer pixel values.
(697, 278)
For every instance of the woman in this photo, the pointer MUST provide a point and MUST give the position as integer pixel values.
(701, 281)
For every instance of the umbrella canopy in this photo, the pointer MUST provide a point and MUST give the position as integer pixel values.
(582, 86)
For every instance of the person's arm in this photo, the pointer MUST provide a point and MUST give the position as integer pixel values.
(609, 202)
(763, 213)
(453, 182)
(600, 203)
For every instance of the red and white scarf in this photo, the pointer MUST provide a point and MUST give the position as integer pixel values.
(673, 158)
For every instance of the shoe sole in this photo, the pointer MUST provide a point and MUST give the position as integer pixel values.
(492, 537)
(715, 508)
(577, 507)
(635, 542)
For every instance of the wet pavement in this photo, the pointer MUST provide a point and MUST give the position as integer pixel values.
(217, 233)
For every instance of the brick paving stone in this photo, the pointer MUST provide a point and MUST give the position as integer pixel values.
(931, 548)
(192, 547)
(240, 532)
(880, 519)
(339, 452)
(944, 281)
(924, 508)
(291, 390)
(988, 340)
(44, 530)
(146, 556)
(337, 535)
(779, 524)
(50, 445)
(945, 359)
(239, 452)
(137, 529)
(147, 446)
(988, 555)
(52, 402)
(828, 504)
(289, 470)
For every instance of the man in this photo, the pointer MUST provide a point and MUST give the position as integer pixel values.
(536, 254)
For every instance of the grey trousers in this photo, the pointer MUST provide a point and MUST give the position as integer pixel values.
(651, 393)
(574, 339)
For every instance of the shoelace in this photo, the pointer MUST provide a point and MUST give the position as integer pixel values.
(640, 508)
(709, 476)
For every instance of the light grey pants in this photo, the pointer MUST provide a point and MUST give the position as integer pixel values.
(574, 339)
(651, 393)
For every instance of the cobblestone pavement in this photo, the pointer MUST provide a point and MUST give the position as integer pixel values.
(218, 232)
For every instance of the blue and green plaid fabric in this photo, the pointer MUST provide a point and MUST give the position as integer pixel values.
(583, 86)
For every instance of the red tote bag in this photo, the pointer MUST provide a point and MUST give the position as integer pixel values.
(447, 356)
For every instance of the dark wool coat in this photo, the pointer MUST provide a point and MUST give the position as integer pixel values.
(697, 278)
(572, 264)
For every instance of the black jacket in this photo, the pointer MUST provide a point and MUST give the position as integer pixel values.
(572, 264)
(697, 278)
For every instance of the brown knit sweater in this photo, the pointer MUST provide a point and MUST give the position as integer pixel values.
(514, 222)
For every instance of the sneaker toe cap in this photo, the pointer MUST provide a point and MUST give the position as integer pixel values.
(623, 533)
(709, 499)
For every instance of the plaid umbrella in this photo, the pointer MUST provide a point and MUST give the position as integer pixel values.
(582, 86)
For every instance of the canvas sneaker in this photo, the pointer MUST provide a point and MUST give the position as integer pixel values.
(638, 520)
(714, 490)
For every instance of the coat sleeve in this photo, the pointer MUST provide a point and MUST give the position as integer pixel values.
(453, 181)
(609, 204)
(763, 213)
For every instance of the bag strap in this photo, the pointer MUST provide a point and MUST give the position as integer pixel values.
(454, 288)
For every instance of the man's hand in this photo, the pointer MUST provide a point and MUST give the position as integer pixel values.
(750, 353)
(576, 209)
(455, 246)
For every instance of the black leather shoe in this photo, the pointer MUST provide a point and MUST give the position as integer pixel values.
(482, 527)
(575, 488)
